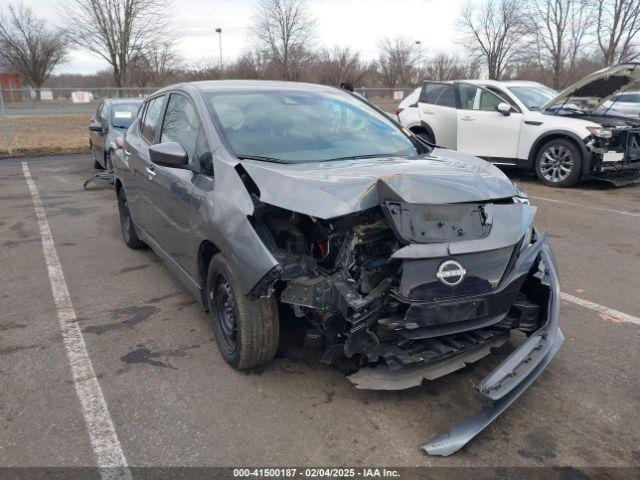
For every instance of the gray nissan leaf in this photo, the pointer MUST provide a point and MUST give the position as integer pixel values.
(402, 259)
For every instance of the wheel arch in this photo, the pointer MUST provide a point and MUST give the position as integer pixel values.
(556, 135)
(206, 251)
(422, 127)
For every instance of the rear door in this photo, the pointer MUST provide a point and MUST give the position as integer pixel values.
(137, 152)
(483, 131)
(437, 107)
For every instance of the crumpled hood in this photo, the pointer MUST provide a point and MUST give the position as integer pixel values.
(599, 85)
(335, 188)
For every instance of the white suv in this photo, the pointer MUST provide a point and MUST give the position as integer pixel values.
(528, 125)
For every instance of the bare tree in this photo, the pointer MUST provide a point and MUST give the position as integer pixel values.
(443, 66)
(617, 29)
(559, 29)
(119, 31)
(156, 66)
(339, 65)
(283, 29)
(397, 62)
(495, 32)
(28, 47)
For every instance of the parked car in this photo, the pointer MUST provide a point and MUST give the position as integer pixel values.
(627, 103)
(559, 136)
(407, 260)
(107, 127)
(407, 111)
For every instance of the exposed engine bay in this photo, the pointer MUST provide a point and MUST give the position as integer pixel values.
(403, 285)
(616, 145)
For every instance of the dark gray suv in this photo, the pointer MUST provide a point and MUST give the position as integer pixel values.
(409, 261)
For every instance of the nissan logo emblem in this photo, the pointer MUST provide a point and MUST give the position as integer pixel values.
(451, 273)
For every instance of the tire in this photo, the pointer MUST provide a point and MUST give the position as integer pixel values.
(96, 163)
(426, 136)
(127, 227)
(559, 163)
(108, 160)
(246, 329)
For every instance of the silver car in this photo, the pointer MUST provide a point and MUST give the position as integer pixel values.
(627, 104)
(113, 117)
(404, 260)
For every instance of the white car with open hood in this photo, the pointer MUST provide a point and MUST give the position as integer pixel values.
(561, 136)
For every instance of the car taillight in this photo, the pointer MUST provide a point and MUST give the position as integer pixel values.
(398, 110)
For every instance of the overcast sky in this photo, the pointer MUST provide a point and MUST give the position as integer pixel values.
(358, 24)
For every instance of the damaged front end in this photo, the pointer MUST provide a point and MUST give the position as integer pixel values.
(411, 292)
(615, 150)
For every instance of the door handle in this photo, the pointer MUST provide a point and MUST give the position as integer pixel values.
(427, 112)
(151, 172)
(467, 119)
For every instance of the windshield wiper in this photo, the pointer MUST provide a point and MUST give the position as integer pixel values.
(358, 157)
(262, 159)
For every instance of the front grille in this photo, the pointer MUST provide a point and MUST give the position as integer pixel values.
(484, 271)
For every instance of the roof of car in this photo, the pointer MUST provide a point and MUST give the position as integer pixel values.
(219, 85)
(504, 83)
(115, 101)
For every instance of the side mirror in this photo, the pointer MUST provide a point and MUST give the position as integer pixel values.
(169, 154)
(504, 108)
(95, 127)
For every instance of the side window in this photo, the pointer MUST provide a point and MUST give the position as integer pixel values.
(488, 101)
(151, 118)
(181, 124)
(475, 98)
(103, 114)
(203, 153)
(629, 98)
(506, 97)
(442, 94)
(98, 112)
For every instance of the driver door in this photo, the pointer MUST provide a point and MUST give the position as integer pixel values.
(483, 131)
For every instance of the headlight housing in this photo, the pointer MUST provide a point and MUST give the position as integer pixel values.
(600, 132)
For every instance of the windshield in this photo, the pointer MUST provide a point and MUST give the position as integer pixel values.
(303, 126)
(122, 114)
(533, 97)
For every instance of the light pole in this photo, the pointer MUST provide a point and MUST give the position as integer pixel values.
(219, 32)
(419, 44)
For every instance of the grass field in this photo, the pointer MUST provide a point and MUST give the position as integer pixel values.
(44, 134)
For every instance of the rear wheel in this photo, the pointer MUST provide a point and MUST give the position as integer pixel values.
(96, 163)
(129, 234)
(559, 163)
(246, 329)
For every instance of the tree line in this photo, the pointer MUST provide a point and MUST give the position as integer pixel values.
(551, 41)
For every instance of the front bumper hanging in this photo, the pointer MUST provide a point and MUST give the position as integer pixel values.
(511, 378)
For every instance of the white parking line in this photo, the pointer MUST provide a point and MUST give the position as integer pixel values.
(102, 434)
(625, 317)
(573, 204)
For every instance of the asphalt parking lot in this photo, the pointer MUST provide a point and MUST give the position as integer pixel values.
(173, 401)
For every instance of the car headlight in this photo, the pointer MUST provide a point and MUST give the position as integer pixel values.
(528, 238)
(600, 132)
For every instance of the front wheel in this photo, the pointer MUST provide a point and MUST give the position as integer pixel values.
(559, 163)
(246, 329)
(128, 228)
